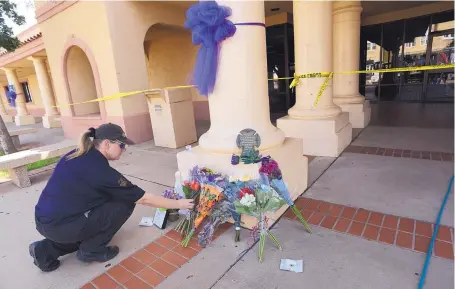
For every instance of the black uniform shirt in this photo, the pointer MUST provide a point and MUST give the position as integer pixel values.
(80, 185)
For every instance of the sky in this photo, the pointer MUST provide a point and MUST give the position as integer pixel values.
(26, 9)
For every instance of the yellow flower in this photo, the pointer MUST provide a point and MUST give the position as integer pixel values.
(246, 178)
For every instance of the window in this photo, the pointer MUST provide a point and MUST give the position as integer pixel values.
(423, 40)
(410, 44)
(28, 95)
(371, 46)
(448, 36)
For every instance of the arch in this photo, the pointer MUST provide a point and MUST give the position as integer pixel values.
(169, 55)
(77, 52)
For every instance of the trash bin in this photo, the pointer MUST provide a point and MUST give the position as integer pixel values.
(172, 117)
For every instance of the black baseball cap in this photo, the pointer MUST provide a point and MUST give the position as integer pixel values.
(112, 132)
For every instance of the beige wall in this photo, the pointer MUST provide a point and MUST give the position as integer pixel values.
(36, 107)
(81, 82)
(171, 56)
(128, 25)
(34, 90)
(66, 27)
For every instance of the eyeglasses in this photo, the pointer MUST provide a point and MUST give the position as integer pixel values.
(122, 145)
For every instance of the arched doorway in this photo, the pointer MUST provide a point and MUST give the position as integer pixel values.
(170, 56)
(81, 82)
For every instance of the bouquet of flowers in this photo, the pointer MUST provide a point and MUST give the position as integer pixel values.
(271, 174)
(209, 197)
(191, 190)
(256, 200)
(220, 214)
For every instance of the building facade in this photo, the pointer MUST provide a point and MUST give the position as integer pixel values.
(84, 50)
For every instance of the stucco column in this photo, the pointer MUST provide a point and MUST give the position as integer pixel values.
(346, 57)
(4, 114)
(313, 53)
(325, 130)
(22, 117)
(47, 94)
(240, 99)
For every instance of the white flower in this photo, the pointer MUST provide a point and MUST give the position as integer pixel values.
(248, 200)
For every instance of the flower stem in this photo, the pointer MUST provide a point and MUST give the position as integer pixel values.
(275, 240)
(261, 247)
(187, 238)
(261, 237)
(300, 217)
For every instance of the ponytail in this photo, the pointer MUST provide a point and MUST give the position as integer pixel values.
(86, 143)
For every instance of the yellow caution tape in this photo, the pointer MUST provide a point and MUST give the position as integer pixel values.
(386, 70)
(328, 75)
(123, 94)
(321, 90)
(294, 83)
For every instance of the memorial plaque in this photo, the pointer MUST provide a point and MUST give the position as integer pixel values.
(249, 141)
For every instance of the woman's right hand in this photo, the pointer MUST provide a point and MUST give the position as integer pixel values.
(185, 204)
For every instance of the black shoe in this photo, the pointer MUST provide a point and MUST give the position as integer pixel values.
(44, 267)
(107, 255)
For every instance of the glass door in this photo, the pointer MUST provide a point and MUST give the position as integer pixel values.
(439, 84)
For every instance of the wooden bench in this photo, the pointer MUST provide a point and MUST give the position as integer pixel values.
(16, 133)
(16, 163)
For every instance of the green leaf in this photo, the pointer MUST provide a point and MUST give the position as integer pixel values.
(274, 204)
(187, 191)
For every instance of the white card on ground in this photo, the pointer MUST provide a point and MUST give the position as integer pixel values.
(146, 222)
(291, 265)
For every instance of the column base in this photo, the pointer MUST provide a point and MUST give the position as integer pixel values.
(289, 156)
(24, 120)
(7, 118)
(359, 113)
(51, 121)
(321, 137)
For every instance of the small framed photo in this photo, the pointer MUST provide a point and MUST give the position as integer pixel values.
(160, 218)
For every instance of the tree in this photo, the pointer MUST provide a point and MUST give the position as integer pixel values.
(9, 42)
(7, 39)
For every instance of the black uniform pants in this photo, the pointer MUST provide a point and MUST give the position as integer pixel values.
(88, 234)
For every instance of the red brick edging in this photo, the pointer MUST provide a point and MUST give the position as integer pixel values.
(402, 232)
(149, 266)
(400, 153)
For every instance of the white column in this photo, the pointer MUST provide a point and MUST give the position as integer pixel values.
(313, 53)
(346, 49)
(50, 119)
(22, 117)
(240, 99)
(325, 130)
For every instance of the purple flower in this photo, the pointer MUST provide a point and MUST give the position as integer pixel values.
(171, 194)
(235, 160)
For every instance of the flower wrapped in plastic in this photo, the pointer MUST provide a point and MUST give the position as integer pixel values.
(256, 200)
(209, 197)
(231, 194)
(219, 215)
(191, 190)
(270, 174)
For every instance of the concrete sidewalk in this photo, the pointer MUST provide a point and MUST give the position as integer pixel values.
(337, 255)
